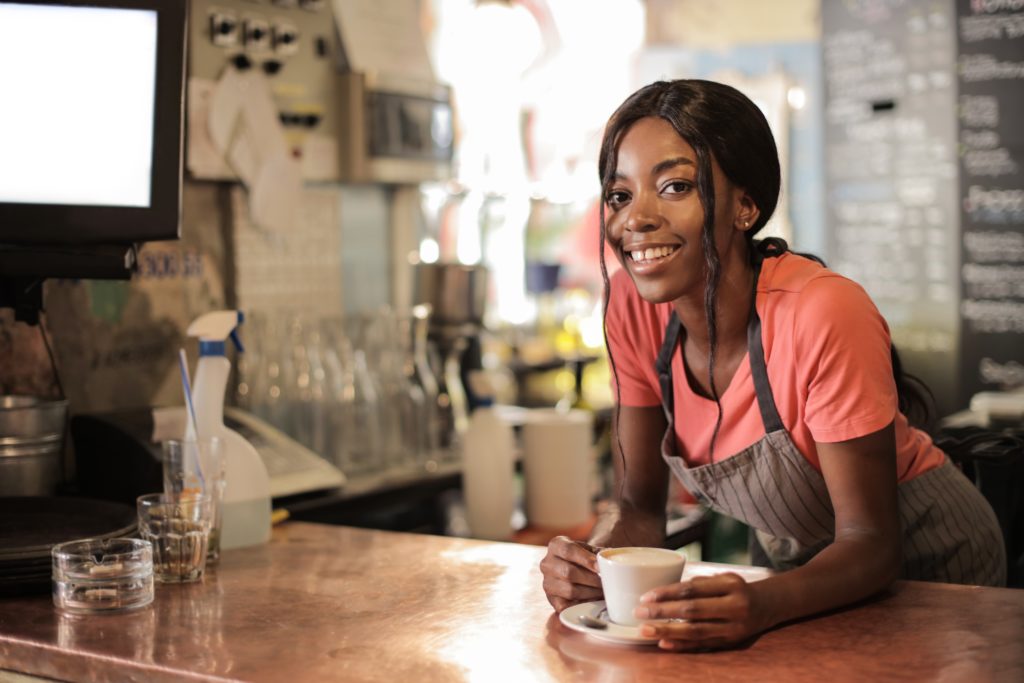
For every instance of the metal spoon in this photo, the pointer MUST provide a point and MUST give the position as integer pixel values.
(591, 622)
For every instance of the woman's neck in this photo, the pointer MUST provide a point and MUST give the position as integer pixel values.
(735, 289)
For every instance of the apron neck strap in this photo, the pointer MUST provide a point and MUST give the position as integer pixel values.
(755, 347)
(663, 364)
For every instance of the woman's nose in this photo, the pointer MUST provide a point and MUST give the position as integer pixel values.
(642, 216)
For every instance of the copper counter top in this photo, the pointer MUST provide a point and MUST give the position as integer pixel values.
(326, 603)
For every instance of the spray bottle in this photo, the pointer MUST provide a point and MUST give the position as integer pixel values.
(246, 507)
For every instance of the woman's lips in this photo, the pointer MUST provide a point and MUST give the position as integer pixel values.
(649, 266)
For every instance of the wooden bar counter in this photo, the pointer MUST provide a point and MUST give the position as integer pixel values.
(327, 603)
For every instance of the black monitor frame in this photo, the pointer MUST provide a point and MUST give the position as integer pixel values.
(65, 224)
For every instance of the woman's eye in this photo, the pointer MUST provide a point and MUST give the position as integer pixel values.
(677, 187)
(616, 198)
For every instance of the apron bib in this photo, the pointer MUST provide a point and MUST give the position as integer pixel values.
(950, 532)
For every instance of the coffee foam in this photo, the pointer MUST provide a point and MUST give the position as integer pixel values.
(647, 557)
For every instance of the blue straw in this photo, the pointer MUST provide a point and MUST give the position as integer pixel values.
(192, 422)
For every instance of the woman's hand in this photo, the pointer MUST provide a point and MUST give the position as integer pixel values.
(570, 573)
(719, 611)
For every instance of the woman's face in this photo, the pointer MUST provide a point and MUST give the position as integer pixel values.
(654, 215)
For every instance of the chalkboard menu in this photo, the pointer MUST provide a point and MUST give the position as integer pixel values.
(990, 73)
(891, 173)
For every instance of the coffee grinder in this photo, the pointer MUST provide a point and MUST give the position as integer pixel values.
(457, 296)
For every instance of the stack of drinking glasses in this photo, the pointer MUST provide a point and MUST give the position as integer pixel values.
(361, 390)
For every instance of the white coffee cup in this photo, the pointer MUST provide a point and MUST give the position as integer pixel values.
(628, 573)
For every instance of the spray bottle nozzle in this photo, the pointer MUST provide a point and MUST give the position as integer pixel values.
(213, 330)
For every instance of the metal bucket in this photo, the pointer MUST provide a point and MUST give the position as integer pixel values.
(31, 445)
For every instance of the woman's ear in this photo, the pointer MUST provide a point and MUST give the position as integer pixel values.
(747, 212)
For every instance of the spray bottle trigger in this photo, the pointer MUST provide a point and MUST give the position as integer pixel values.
(237, 341)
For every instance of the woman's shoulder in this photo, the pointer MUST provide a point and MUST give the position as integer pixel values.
(796, 274)
(792, 272)
(800, 293)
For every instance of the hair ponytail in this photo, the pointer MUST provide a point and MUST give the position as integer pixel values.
(916, 401)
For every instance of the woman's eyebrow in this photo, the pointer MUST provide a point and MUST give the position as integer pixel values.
(662, 166)
(671, 163)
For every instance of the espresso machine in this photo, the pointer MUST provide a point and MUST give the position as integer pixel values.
(457, 296)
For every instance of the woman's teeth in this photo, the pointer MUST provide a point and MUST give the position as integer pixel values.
(652, 254)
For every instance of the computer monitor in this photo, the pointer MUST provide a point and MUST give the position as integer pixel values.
(91, 99)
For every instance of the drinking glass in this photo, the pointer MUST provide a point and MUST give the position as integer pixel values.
(178, 527)
(181, 476)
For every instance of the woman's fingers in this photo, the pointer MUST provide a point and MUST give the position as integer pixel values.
(702, 632)
(570, 573)
(571, 561)
(717, 597)
(558, 603)
(574, 573)
(695, 610)
(704, 613)
(572, 592)
(697, 587)
(694, 646)
(577, 552)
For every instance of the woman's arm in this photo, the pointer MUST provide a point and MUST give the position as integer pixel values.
(865, 557)
(636, 516)
(637, 513)
(867, 553)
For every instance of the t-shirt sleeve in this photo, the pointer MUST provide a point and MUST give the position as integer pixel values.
(631, 359)
(843, 347)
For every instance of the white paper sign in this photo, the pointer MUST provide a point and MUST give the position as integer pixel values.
(383, 37)
(246, 131)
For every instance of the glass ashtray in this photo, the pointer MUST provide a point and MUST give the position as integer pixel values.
(102, 575)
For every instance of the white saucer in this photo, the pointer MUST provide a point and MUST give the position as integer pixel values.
(613, 633)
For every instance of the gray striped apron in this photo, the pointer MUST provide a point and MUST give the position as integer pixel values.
(950, 532)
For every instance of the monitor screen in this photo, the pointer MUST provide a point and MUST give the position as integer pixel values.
(91, 129)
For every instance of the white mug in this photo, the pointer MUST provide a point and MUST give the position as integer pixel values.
(628, 573)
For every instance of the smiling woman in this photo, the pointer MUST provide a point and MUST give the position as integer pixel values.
(763, 382)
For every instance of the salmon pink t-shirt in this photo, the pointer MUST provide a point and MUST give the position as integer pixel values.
(827, 351)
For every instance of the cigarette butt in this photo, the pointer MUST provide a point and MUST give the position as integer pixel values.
(106, 569)
(279, 515)
(100, 594)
